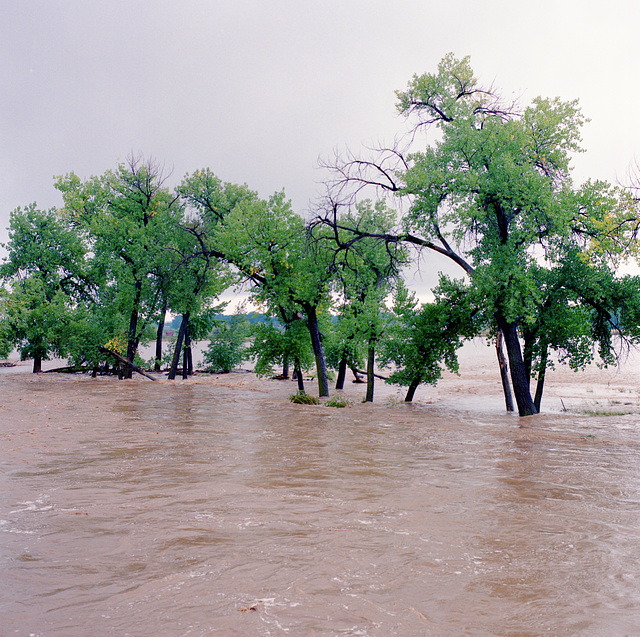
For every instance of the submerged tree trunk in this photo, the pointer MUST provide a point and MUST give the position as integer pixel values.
(298, 375)
(371, 361)
(185, 355)
(156, 366)
(316, 342)
(504, 373)
(544, 357)
(187, 361)
(526, 406)
(132, 336)
(124, 360)
(342, 372)
(178, 349)
(37, 363)
(285, 366)
(411, 391)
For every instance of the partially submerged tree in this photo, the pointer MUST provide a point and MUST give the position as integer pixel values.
(282, 344)
(492, 192)
(423, 339)
(269, 244)
(45, 271)
(129, 219)
(367, 272)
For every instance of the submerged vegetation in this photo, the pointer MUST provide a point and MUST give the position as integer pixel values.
(300, 398)
(480, 181)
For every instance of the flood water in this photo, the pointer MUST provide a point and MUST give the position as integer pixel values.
(216, 507)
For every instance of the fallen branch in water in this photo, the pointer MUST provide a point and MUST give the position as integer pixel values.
(135, 368)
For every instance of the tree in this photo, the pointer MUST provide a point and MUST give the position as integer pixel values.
(226, 349)
(492, 192)
(269, 244)
(280, 344)
(130, 220)
(423, 339)
(581, 308)
(367, 272)
(45, 269)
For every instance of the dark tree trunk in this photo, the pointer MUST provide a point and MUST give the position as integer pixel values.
(285, 366)
(316, 342)
(342, 372)
(298, 375)
(504, 373)
(187, 363)
(519, 380)
(371, 361)
(176, 353)
(37, 364)
(411, 391)
(527, 354)
(132, 337)
(544, 357)
(156, 366)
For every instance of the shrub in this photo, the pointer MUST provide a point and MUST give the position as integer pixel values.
(300, 398)
(338, 401)
(226, 349)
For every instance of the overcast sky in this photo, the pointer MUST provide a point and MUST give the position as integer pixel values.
(259, 90)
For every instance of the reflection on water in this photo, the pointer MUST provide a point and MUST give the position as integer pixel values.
(213, 507)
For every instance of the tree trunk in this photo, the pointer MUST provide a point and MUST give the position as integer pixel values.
(298, 375)
(178, 349)
(285, 366)
(316, 342)
(132, 337)
(544, 357)
(504, 373)
(187, 362)
(371, 361)
(411, 391)
(519, 380)
(156, 366)
(37, 364)
(342, 372)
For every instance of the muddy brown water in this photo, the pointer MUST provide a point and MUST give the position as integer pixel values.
(216, 507)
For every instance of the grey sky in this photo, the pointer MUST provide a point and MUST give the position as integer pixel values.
(258, 90)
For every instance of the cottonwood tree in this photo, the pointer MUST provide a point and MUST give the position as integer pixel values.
(270, 245)
(45, 270)
(130, 220)
(274, 343)
(491, 190)
(367, 271)
(423, 339)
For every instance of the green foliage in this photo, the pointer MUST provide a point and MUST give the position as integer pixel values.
(130, 222)
(43, 308)
(337, 401)
(492, 191)
(291, 275)
(226, 349)
(272, 345)
(423, 339)
(300, 398)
